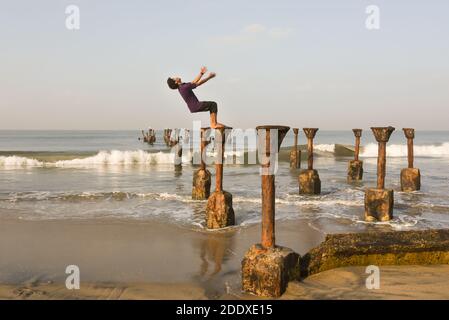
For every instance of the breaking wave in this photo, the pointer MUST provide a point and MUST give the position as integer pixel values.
(325, 147)
(114, 157)
(15, 161)
(141, 157)
(399, 150)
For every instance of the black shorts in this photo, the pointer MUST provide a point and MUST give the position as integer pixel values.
(210, 106)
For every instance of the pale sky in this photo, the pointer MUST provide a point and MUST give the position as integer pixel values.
(297, 63)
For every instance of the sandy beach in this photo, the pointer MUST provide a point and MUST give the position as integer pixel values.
(125, 260)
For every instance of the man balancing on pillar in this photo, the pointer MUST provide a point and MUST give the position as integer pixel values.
(186, 91)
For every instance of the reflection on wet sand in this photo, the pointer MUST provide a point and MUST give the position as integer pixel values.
(215, 250)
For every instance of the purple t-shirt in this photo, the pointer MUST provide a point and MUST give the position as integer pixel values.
(185, 89)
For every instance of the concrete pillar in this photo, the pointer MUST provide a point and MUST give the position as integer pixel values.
(410, 177)
(355, 167)
(167, 136)
(202, 177)
(309, 180)
(177, 144)
(219, 211)
(152, 136)
(379, 202)
(267, 268)
(295, 153)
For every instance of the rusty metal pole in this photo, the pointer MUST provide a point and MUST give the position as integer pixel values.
(219, 211)
(295, 157)
(168, 137)
(268, 183)
(268, 200)
(410, 135)
(310, 134)
(204, 144)
(219, 143)
(355, 167)
(179, 148)
(382, 135)
(410, 177)
(358, 135)
(176, 142)
(165, 136)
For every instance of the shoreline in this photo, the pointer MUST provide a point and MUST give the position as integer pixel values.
(122, 259)
(397, 283)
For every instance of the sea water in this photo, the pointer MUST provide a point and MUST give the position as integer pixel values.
(47, 175)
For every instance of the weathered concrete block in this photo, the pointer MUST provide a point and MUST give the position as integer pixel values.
(295, 159)
(201, 184)
(377, 248)
(355, 170)
(410, 179)
(266, 272)
(378, 204)
(309, 182)
(219, 211)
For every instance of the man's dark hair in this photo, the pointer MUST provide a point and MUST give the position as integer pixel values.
(172, 83)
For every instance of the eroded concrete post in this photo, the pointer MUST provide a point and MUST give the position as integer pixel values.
(309, 180)
(202, 177)
(355, 167)
(167, 136)
(219, 211)
(176, 142)
(410, 177)
(379, 202)
(267, 268)
(151, 136)
(295, 153)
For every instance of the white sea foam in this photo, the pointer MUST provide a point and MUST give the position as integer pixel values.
(400, 150)
(141, 157)
(113, 157)
(116, 157)
(325, 147)
(15, 161)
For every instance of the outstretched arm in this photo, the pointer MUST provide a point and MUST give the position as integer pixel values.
(198, 77)
(210, 76)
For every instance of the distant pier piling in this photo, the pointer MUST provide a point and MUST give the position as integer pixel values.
(267, 268)
(309, 180)
(144, 136)
(151, 136)
(177, 144)
(295, 153)
(410, 177)
(219, 210)
(167, 136)
(355, 167)
(202, 177)
(379, 202)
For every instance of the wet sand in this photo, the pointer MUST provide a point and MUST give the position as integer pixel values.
(132, 251)
(149, 260)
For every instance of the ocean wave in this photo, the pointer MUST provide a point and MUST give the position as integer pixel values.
(325, 147)
(113, 157)
(181, 209)
(141, 157)
(165, 196)
(116, 157)
(400, 150)
(16, 161)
